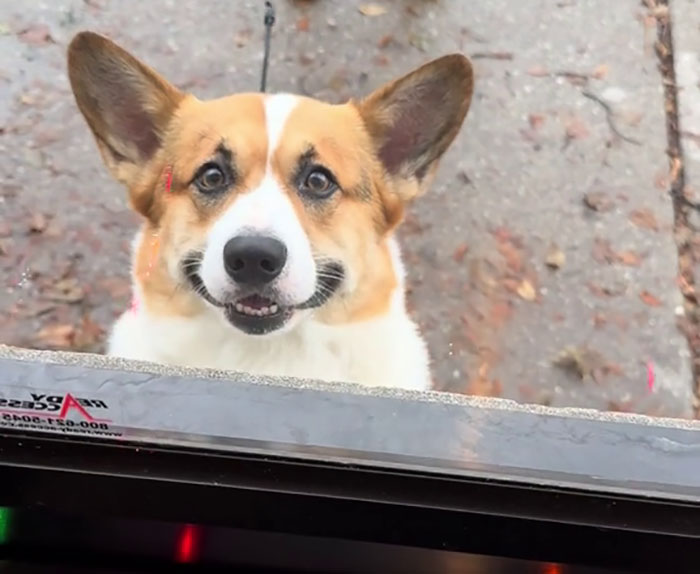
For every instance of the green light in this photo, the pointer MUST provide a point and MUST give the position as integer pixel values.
(5, 519)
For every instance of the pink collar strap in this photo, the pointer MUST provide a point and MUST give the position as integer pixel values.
(135, 304)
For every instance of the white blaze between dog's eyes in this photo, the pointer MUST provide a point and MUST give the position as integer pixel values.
(278, 107)
(264, 211)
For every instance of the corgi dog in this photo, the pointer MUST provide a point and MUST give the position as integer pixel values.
(268, 242)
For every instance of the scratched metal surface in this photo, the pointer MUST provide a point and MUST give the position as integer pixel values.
(435, 431)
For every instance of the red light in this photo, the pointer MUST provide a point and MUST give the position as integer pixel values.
(188, 544)
(552, 569)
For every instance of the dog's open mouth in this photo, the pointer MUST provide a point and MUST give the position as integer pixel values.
(258, 314)
(257, 306)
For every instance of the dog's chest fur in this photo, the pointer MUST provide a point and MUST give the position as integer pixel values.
(385, 351)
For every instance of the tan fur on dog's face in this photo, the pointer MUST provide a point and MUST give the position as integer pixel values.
(379, 153)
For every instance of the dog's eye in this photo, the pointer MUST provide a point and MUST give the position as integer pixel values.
(319, 183)
(210, 179)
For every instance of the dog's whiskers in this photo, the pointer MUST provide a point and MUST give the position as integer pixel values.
(329, 274)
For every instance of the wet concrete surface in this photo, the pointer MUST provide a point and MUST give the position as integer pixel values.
(685, 15)
(547, 234)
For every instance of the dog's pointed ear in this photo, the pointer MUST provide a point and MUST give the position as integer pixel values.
(413, 120)
(127, 105)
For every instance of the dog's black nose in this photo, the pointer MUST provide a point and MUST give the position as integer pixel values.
(252, 260)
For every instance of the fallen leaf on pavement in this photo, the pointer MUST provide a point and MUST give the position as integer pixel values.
(482, 386)
(574, 78)
(381, 60)
(645, 218)
(65, 291)
(602, 251)
(480, 276)
(500, 312)
(303, 24)
(661, 181)
(687, 288)
(512, 256)
(621, 406)
(372, 9)
(88, 335)
(501, 234)
(581, 361)
(117, 287)
(631, 117)
(511, 285)
(39, 309)
(650, 299)
(419, 41)
(45, 137)
(605, 290)
(459, 252)
(536, 121)
(464, 177)
(57, 335)
(526, 290)
(629, 258)
(538, 71)
(613, 369)
(598, 201)
(338, 81)
(555, 257)
(27, 99)
(242, 38)
(576, 129)
(676, 165)
(385, 41)
(600, 72)
(530, 394)
(36, 35)
(38, 223)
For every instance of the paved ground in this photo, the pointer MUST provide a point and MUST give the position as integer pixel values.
(687, 55)
(686, 39)
(548, 232)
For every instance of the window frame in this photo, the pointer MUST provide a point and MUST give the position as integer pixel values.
(298, 489)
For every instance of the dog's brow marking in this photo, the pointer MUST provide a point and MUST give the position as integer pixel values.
(266, 210)
(278, 107)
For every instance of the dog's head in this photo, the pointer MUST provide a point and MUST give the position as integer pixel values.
(279, 205)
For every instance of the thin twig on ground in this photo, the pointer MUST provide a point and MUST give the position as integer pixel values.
(609, 116)
(492, 56)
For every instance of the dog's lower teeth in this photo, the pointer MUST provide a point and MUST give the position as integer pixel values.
(262, 312)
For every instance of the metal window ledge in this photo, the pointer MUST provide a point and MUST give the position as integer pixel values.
(102, 461)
